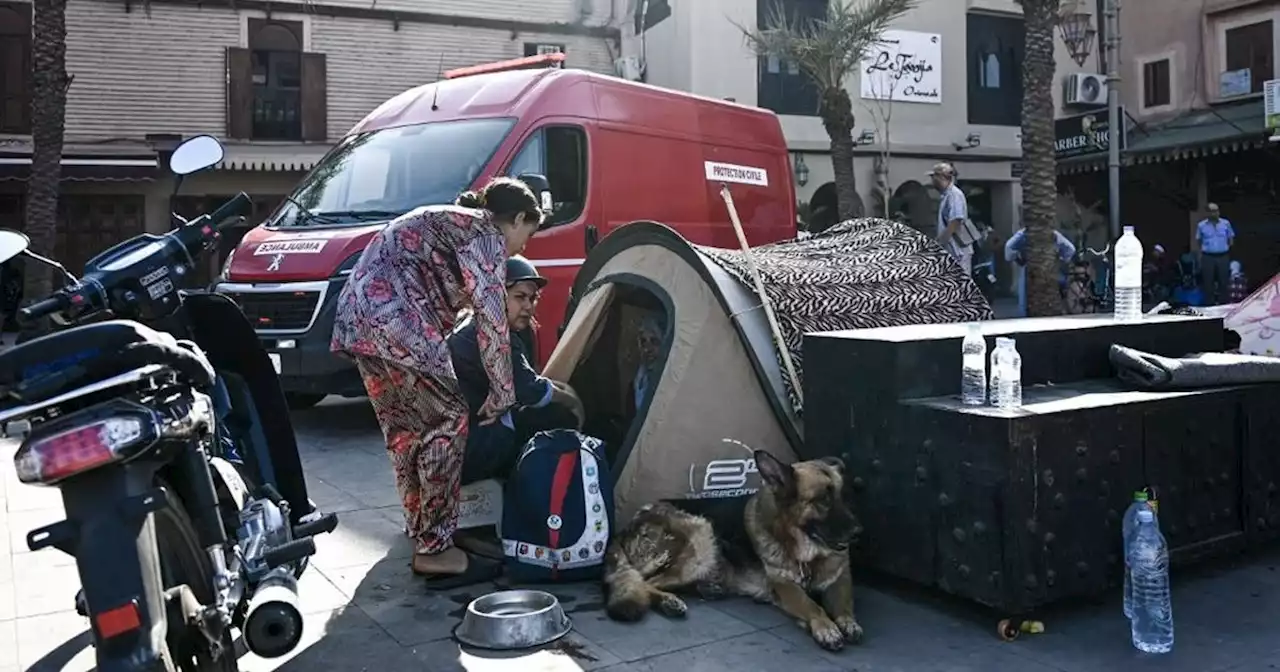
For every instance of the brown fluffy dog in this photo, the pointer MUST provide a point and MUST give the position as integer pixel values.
(781, 545)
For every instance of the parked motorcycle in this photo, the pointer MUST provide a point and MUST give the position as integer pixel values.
(146, 409)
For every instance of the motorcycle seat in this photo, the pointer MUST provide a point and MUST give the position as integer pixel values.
(100, 350)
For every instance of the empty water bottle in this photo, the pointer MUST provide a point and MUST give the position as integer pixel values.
(1127, 526)
(1010, 378)
(1152, 624)
(1128, 277)
(973, 372)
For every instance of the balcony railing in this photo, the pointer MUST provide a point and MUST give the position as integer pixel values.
(277, 113)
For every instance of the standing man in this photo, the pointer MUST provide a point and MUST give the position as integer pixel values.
(1216, 237)
(1015, 252)
(955, 233)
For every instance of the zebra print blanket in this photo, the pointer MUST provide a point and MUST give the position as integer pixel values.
(858, 274)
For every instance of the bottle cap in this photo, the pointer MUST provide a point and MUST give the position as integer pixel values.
(1145, 516)
(1140, 496)
(1128, 230)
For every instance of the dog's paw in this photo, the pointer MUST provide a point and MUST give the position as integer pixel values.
(852, 631)
(710, 590)
(826, 634)
(671, 606)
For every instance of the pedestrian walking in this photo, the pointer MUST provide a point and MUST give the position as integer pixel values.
(1216, 237)
(956, 233)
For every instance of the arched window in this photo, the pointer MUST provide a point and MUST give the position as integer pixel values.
(989, 70)
(276, 52)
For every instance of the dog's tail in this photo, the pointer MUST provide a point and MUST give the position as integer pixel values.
(628, 595)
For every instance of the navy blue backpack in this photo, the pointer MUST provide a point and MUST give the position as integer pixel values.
(557, 509)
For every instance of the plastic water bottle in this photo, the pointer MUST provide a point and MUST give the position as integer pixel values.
(1127, 527)
(997, 373)
(1152, 603)
(1010, 381)
(973, 372)
(1128, 277)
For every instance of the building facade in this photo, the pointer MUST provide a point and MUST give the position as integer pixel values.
(945, 85)
(1192, 79)
(277, 81)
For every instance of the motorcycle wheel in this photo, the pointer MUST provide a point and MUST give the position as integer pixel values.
(183, 561)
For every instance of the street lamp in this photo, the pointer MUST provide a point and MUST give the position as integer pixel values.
(1077, 33)
(801, 170)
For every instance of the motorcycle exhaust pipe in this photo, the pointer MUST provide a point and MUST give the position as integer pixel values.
(273, 624)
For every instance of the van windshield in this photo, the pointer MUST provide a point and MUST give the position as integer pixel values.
(384, 174)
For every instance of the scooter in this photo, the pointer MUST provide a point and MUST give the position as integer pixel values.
(158, 415)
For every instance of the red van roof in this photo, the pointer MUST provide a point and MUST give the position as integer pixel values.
(577, 93)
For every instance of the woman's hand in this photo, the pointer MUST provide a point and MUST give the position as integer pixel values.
(564, 395)
(490, 413)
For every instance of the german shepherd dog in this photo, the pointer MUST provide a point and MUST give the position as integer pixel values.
(784, 545)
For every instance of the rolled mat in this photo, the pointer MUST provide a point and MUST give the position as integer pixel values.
(1146, 371)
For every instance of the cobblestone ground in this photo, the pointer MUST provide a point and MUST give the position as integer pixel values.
(365, 611)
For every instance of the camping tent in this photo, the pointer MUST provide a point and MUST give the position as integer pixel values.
(718, 389)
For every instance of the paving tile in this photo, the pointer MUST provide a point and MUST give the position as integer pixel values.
(43, 587)
(55, 642)
(362, 538)
(656, 635)
(400, 602)
(318, 595)
(8, 646)
(22, 522)
(24, 497)
(574, 653)
(8, 603)
(752, 651)
(344, 640)
(331, 499)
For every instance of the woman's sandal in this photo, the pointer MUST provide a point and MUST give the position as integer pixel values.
(479, 570)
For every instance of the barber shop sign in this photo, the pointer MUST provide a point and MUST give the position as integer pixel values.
(1084, 134)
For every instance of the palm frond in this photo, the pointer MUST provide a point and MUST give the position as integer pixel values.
(827, 49)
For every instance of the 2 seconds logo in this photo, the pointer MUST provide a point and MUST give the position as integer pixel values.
(723, 478)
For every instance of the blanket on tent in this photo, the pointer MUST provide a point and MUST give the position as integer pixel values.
(1146, 371)
(859, 274)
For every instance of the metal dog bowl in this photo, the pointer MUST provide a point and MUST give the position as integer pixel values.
(513, 619)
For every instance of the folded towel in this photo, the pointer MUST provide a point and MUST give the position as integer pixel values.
(1146, 371)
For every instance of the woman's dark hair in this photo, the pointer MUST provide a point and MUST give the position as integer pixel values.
(504, 197)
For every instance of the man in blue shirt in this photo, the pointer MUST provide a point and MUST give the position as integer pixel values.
(953, 211)
(1015, 252)
(541, 403)
(1215, 235)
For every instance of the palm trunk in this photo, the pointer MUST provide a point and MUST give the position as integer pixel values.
(837, 117)
(48, 110)
(1039, 177)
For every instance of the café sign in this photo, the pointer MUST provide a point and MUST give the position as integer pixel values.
(904, 66)
(1083, 134)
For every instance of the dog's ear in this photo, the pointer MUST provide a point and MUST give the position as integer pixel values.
(834, 462)
(778, 476)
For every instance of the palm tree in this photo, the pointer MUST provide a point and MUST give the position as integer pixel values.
(828, 51)
(48, 112)
(1039, 175)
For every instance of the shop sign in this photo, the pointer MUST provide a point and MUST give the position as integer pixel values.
(1083, 134)
(904, 66)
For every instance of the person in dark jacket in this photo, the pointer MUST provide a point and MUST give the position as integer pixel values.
(541, 403)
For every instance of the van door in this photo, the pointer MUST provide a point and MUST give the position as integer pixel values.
(559, 150)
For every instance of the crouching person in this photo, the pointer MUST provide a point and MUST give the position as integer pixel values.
(541, 403)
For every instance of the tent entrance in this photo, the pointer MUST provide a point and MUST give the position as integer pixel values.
(622, 363)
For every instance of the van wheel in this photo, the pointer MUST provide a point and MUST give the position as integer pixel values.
(182, 561)
(301, 401)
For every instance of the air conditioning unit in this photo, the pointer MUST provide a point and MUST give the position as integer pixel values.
(1084, 88)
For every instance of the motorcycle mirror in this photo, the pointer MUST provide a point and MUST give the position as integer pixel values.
(196, 154)
(12, 243)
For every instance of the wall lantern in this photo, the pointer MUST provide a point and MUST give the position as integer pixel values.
(801, 170)
(1077, 33)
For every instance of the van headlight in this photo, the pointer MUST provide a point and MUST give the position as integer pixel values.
(225, 273)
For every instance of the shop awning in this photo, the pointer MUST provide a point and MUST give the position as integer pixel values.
(272, 158)
(1221, 129)
(86, 168)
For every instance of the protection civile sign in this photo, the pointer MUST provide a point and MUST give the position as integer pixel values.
(728, 172)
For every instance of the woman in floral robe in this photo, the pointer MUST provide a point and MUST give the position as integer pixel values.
(401, 300)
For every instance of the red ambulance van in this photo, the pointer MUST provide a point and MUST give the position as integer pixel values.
(613, 152)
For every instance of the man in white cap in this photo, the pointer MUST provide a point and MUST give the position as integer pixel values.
(954, 234)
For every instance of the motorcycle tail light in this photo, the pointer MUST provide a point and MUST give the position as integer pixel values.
(50, 458)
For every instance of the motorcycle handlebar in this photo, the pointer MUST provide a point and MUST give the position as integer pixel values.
(44, 307)
(235, 207)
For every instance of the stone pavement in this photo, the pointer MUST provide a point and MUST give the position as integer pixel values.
(365, 611)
